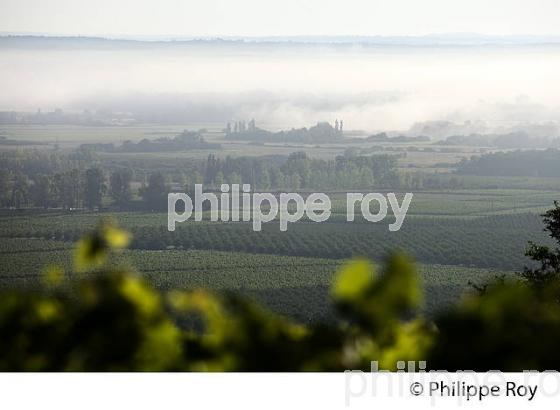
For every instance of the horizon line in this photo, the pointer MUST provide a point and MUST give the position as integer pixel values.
(312, 38)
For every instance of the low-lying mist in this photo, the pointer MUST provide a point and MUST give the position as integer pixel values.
(371, 88)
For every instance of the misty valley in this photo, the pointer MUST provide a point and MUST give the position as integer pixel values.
(249, 176)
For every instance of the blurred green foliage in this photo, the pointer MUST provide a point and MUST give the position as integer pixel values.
(106, 318)
(512, 325)
(548, 259)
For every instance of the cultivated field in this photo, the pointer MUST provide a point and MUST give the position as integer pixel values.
(458, 235)
(297, 286)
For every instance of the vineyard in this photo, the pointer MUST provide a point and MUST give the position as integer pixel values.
(431, 240)
(457, 237)
(467, 203)
(296, 286)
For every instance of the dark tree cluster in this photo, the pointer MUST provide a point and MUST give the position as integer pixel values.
(298, 171)
(321, 133)
(51, 180)
(545, 163)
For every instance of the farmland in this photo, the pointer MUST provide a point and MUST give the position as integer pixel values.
(449, 238)
(297, 286)
(448, 233)
(459, 228)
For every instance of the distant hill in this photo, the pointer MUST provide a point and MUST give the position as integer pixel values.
(434, 40)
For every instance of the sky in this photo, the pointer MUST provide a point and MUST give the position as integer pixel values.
(254, 18)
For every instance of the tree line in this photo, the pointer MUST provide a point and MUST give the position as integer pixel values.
(71, 189)
(298, 171)
(82, 179)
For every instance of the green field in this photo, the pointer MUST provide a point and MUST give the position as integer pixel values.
(430, 239)
(297, 286)
(71, 136)
(464, 228)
